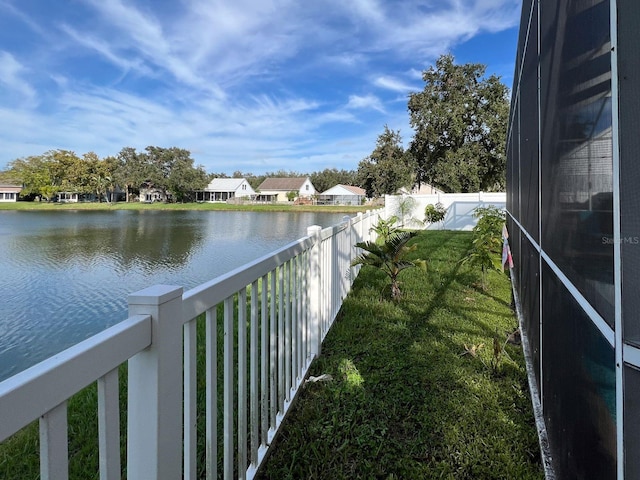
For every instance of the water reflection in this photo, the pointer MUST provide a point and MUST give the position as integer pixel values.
(66, 275)
(151, 238)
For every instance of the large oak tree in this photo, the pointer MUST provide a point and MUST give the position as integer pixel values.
(460, 124)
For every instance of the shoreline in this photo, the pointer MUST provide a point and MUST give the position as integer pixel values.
(46, 206)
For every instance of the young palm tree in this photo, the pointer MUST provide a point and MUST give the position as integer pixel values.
(390, 256)
(384, 228)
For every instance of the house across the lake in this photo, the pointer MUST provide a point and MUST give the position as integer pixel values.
(68, 197)
(342, 195)
(281, 189)
(226, 190)
(149, 193)
(9, 193)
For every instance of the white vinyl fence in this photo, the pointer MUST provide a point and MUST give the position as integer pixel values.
(262, 325)
(460, 207)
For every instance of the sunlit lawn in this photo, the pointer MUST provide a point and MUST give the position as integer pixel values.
(406, 400)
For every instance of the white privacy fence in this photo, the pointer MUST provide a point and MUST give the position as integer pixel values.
(246, 338)
(460, 206)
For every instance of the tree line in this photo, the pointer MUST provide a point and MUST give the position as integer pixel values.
(169, 170)
(459, 121)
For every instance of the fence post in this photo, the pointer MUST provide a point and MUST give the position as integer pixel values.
(315, 293)
(154, 422)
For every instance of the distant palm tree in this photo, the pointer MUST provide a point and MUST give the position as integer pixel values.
(101, 184)
(390, 256)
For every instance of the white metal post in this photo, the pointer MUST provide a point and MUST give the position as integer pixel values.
(315, 325)
(154, 422)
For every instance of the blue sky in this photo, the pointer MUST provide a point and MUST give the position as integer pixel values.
(249, 85)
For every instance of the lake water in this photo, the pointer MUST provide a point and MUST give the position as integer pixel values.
(65, 275)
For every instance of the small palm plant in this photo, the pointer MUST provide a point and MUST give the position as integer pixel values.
(390, 256)
(487, 241)
(384, 228)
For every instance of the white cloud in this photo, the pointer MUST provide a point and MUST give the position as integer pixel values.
(106, 50)
(367, 102)
(144, 32)
(394, 84)
(23, 18)
(12, 76)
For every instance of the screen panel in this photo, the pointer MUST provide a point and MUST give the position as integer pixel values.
(530, 301)
(529, 177)
(629, 105)
(576, 147)
(579, 387)
(631, 422)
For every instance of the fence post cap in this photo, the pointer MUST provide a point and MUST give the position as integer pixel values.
(154, 295)
(313, 230)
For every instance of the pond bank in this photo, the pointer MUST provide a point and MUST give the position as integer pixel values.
(247, 207)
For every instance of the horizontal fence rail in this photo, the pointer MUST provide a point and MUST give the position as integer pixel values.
(211, 372)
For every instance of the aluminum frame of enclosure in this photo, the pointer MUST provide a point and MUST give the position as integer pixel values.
(574, 220)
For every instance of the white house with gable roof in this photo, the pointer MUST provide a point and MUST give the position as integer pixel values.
(226, 189)
(342, 195)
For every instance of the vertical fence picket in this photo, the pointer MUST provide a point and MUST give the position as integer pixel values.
(287, 332)
(273, 355)
(305, 306)
(255, 394)
(190, 395)
(242, 384)
(109, 425)
(54, 456)
(337, 281)
(293, 284)
(228, 389)
(264, 362)
(281, 341)
(300, 322)
(211, 392)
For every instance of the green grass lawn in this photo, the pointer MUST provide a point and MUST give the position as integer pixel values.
(406, 401)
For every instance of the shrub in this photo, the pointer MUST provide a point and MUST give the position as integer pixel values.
(487, 241)
(434, 213)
